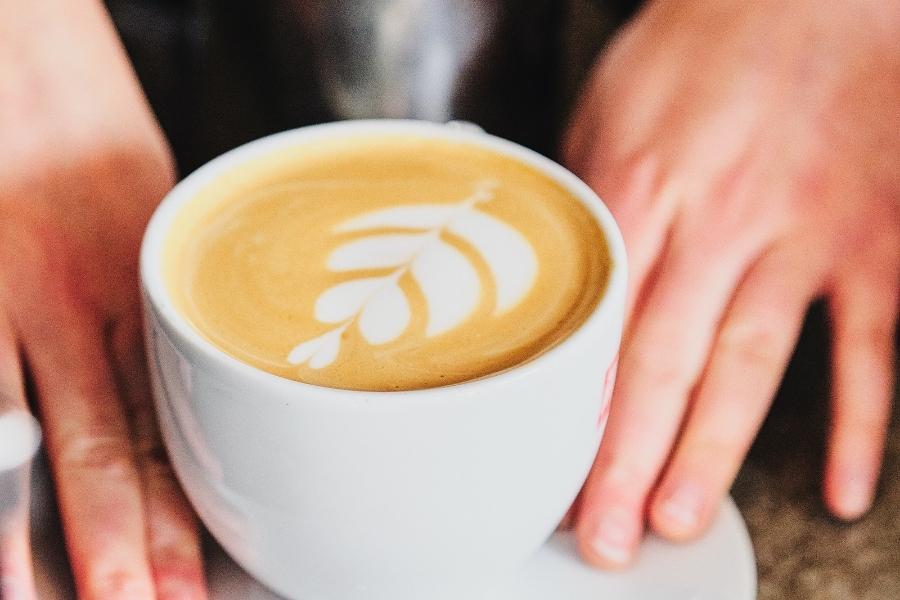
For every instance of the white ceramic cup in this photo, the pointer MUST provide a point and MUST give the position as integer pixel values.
(326, 494)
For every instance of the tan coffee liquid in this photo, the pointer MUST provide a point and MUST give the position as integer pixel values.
(385, 262)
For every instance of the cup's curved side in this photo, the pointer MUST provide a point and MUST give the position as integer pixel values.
(355, 504)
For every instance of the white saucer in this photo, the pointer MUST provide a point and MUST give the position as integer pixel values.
(720, 566)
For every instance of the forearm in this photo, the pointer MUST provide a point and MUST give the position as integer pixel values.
(66, 85)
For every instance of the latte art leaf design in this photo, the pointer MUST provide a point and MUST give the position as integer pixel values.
(447, 279)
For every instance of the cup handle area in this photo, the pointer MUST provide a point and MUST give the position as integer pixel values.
(465, 126)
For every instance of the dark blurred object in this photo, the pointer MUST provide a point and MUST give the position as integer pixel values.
(222, 73)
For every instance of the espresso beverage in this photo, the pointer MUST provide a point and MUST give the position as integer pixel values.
(385, 262)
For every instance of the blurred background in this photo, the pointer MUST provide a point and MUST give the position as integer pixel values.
(222, 73)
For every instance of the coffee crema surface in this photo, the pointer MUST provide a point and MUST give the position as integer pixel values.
(385, 262)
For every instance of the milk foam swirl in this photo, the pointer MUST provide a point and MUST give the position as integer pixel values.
(447, 280)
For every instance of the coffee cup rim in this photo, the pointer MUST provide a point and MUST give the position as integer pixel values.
(602, 317)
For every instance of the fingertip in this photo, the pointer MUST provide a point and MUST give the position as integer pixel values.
(849, 500)
(600, 554)
(850, 513)
(849, 486)
(609, 541)
(180, 584)
(674, 529)
(678, 513)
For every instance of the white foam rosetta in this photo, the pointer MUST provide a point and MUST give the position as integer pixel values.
(449, 282)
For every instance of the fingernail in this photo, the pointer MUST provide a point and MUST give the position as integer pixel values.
(682, 506)
(855, 497)
(613, 538)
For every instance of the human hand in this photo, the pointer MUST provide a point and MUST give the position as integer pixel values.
(751, 155)
(82, 165)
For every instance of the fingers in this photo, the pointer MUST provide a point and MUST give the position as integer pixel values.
(89, 446)
(16, 577)
(752, 347)
(864, 315)
(662, 359)
(173, 536)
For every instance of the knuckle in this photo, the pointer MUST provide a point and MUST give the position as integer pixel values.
(661, 370)
(106, 456)
(751, 342)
